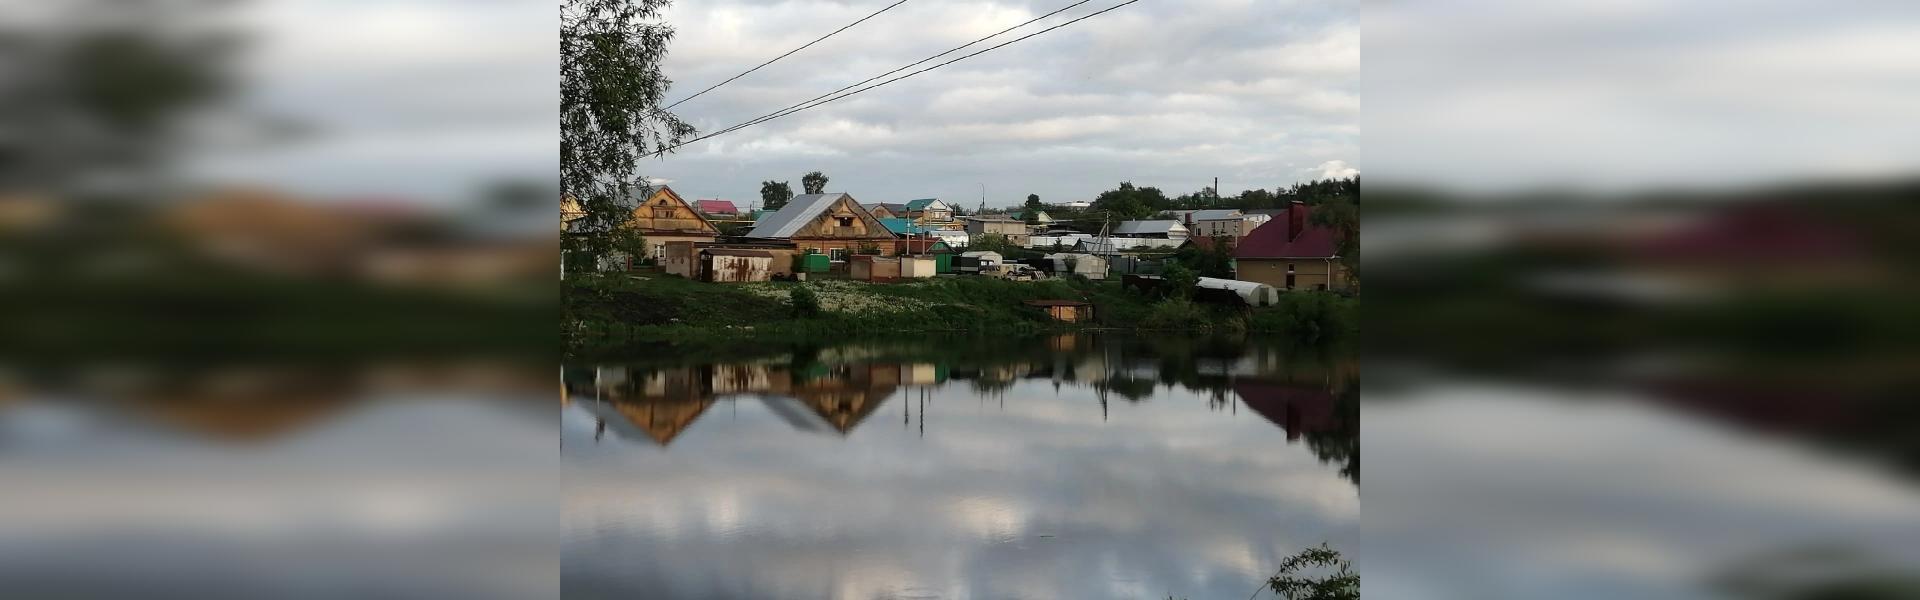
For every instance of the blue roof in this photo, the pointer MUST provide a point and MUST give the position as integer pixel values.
(902, 226)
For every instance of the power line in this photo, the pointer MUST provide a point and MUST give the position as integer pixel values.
(812, 103)
(789, 53)
(778, 113)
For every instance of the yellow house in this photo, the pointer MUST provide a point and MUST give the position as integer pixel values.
(666, 217)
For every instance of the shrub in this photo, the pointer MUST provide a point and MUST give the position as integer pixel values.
(805, 302)
(1177, 313)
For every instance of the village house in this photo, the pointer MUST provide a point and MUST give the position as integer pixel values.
(1040, 217)
(665, 217)
(1224, 222)
(888, 210)
(1292, 254)
(931, 213)
(1156, 230)
(717, 208)
(830, 224)
(1014, 231)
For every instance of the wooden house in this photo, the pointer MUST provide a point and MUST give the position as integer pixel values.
(832, 224)
(665, 217)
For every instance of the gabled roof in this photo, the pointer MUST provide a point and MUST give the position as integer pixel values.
(717, 207)
(1148, 227)
(892, 207)
(1274, 239)
(922, 203)
(798, 212)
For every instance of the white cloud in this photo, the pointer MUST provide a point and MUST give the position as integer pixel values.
(1334, 169)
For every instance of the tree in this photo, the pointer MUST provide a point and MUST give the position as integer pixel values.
(1342, 215)
(1033, 202)
(611, 89)
(815, 182)
(1180, 279)
(1341, 584)
(775, 194)
(1128, 202)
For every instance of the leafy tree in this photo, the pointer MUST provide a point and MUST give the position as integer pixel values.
(1128, 202)
(611, 88)
(775, 194)
(1342, 215)
(1215, 260)
(1180, 279)
(1031, 216)
(815, 182)
(1341, 584)
(1033, 202)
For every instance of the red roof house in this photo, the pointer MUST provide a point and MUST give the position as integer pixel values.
(1290, 252)
(717, 207)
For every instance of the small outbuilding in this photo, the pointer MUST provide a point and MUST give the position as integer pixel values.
(1254, 294)
(720, 265)
(1065, 311)
(918, 267)
(874, 268)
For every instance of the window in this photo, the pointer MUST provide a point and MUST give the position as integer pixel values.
(845, 221)
(1289, 275)
(837, 255)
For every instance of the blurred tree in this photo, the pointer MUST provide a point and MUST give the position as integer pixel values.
(1342, 215)
(815, 182)
(611, 88)
(775, 194)
(1129, 203)
(1033, 202)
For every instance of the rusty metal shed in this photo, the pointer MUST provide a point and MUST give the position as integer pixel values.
(720, 265)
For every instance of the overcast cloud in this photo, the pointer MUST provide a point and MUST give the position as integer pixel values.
(1162, 93)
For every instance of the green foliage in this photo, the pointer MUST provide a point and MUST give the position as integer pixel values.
(994, 242)
(1033, 202)
(1307, 316)
(805, 302)
(775, 194)
(1340, 583)
(1180, 279)
(611, 87)
(1178, 314)
(1130, 203)
(867, 248)
(1342, 215)
(1214, 261)
(815, 182)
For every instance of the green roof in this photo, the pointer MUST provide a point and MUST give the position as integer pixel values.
(921, 204)
(902, 226)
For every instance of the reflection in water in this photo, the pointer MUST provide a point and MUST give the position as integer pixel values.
(391, 481)
(1069, 467)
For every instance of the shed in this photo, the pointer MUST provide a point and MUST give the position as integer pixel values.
(811, 263)
(1254, 294)
(874, 268)
(918, 267)
(1084, 265)
(1065, 311)
(735, 266)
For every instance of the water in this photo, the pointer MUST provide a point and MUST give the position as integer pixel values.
(1065, 467)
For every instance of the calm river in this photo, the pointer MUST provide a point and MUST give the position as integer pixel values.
(1064, 467)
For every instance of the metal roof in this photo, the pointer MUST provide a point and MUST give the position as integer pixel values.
(902, 226)
(1215, 214)
(1147, 227)
(922, 203)
(796, 214)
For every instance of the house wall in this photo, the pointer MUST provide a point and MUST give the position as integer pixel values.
(842, 227)
(1014, 231)
(1236, 227)
(1308, 273)
(657, 242)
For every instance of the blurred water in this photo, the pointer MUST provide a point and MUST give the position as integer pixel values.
(1072, 467)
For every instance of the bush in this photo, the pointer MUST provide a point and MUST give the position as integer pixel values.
(1306, 316)
(805, 302)
(1177, 313)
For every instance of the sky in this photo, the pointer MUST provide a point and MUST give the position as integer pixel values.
(1160, 93)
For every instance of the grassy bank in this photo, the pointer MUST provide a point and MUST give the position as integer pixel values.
(618, 309)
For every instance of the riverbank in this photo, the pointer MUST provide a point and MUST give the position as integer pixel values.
(615, 310)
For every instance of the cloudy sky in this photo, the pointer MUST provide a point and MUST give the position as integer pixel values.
(1259, 93)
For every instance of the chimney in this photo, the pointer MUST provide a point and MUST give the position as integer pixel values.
(1296, 219)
